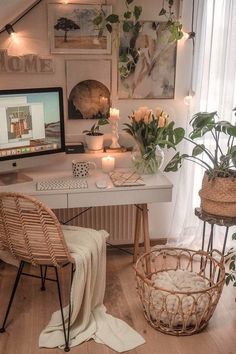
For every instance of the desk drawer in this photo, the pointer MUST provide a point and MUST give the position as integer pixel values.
(54, 201)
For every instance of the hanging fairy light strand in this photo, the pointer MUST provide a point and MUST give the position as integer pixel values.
(191, 35)
(9, 26)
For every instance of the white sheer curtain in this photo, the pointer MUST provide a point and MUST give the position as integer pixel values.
(214, 83)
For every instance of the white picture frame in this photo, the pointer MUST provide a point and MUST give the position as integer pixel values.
(90, 79)
(83, 37)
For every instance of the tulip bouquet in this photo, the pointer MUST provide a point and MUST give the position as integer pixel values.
(151, 130)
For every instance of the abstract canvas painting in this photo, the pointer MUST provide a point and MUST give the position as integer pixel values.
(71, 29)
(147, 63)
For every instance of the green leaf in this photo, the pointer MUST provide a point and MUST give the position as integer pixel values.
(162, 12)
(232, 266)
(112, 18)
(127, 26)
(103, 121)
(179, 135)
(198, 150)
(234, 236)
(109, 27)
(127, 14)
(233, 155)
(137, 27)
(137, 12)
(97, 20)
(175, 163)
(201, 119)
(227, 280)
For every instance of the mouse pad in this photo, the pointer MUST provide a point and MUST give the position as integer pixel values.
(126, 179)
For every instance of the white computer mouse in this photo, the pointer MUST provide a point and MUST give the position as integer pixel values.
(101, 183)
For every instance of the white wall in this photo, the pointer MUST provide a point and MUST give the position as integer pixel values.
(32, 35)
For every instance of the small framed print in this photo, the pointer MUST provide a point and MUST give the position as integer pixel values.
(88, 88)
(72, 31)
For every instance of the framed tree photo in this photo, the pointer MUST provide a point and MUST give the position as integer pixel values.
(72, 31)
(147, 63)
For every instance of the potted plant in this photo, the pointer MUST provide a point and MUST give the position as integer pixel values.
(151, 131)
(218, 193)
(93, 136)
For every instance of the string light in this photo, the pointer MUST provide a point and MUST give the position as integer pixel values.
(190, 35)
(9, 27)
(188, 99)
(10, 30)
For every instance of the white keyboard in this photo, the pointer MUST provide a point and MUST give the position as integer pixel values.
(60, 183)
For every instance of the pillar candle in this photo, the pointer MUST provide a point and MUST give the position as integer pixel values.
(108, 163)
(114, 114)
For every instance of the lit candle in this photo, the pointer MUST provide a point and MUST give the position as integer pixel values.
(114, 114)
(108, 163)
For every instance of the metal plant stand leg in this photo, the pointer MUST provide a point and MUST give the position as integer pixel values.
(203, 241)
(20, 269)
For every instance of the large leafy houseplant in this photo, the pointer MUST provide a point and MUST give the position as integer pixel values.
(221, 161)
(218, 193)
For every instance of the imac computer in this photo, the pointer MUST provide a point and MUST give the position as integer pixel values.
(31, 124)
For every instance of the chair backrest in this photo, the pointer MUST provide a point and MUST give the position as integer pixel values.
(31, 231)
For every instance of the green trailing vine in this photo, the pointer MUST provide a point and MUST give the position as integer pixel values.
(131, 23)
(130, 19)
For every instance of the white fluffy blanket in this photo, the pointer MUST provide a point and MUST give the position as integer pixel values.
(89, 318)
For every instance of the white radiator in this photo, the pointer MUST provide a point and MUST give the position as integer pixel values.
(118, 220)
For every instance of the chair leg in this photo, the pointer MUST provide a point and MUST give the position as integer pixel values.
(43, 276)
(20, 269)
(67, 337)
(67, 349)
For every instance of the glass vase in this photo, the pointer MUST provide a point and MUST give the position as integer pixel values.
(147, 163)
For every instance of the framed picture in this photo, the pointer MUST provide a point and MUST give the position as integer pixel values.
(147, 63)
(71, 29)
(88, 88)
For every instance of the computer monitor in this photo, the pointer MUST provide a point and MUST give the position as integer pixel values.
(31, 124)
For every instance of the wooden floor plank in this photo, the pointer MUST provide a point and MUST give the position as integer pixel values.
(32, 309)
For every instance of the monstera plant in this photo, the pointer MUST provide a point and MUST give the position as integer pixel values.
(218, 193)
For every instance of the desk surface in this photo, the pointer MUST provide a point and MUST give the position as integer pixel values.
(157, 188)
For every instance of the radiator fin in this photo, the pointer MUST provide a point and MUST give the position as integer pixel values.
(118, 221)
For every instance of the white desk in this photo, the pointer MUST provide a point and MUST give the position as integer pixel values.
(157, 189)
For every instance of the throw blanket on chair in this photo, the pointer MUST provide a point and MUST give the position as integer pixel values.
(89, 318)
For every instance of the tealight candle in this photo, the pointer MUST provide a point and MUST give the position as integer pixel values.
(108, 163)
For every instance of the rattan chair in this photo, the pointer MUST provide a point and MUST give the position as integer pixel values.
(33, 234)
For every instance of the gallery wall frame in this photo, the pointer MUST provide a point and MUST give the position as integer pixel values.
(88, 87)
(71, 29)
(147, 63)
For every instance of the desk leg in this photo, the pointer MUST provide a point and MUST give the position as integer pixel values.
(147, 247)
(142, 211)
(137, 232)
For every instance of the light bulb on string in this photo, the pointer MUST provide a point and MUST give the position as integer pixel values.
(188, 99)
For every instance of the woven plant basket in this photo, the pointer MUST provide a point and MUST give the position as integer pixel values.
(180, 313)
(218, 196)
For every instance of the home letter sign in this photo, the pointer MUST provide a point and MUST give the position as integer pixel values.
(29, 63)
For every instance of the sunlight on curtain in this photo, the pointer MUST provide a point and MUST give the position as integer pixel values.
(214, 84)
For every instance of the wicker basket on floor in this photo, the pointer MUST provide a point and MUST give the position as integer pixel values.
(179, 312)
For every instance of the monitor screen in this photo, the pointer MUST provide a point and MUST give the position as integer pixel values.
(31, 122)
